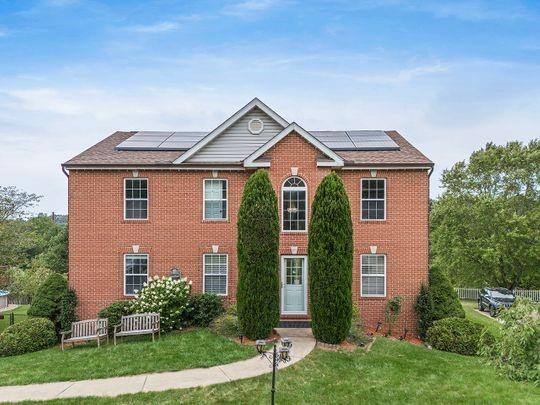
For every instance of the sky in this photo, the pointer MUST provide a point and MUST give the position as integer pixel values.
(449, 76)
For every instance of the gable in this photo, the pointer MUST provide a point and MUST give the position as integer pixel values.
(331, 158)
(236, 143)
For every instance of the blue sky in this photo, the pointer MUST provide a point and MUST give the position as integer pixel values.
(450, 76)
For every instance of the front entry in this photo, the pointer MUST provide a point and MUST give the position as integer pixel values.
(294, 285)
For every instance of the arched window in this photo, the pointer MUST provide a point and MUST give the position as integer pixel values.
(294, 201)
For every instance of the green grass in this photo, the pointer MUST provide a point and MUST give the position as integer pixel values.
(20, 314)
(392, 372)
(473, 315)
(137, 355)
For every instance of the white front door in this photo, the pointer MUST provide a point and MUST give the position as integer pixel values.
(294, 285)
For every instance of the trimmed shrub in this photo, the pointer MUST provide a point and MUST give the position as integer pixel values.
(47, 302)
(68, 304)
(515, 351)
(330, 254)
(258, 258)
(424, 310)
(115, 311)
(445, 299)
(203, 309)
(226, 325)
(27, 336)
(167, 297)
(456, 335)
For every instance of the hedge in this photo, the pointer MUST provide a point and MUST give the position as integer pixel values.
(457, 335)
(27, 336)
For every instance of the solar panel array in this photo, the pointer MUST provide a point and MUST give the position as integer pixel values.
(161, 140)
(336, 140)
(356, 140)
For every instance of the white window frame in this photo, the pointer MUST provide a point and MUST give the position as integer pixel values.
(226, 200)
(147, 199)
(372, 199)
(125, 268)
(373, 275)
(283, 189)
(304, 280)
(226, 275)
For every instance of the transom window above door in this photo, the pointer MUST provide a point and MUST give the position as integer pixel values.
(294, 202)
(215, 199)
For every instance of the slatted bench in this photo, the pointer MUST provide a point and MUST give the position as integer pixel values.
(84, 331)
(138, 324)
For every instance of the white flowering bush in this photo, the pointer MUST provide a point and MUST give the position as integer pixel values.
(167, 297)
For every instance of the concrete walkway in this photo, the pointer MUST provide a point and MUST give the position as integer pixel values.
(303, 344)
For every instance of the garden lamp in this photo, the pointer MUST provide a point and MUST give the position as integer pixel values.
(260, 345)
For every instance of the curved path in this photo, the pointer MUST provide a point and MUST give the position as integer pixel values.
(303, 344)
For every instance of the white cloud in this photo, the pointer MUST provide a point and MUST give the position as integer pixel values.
(165, 26)
(250, 7)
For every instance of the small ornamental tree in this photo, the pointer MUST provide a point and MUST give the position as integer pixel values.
(445, 299)
(424, 310)
(330, 254)
(258, 258)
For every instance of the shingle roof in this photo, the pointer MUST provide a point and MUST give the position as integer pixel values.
(104, 153)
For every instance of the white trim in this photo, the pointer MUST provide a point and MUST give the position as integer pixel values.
(304, 281)
(374, 275)
(305, 188)
(370, 199)
(368, 168)
(227, 200)
(147, 199)
(250, 160)
(226, 275)
(147, 270)
(227, 123)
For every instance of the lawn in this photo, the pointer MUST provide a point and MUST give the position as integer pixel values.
(472, 314)
(137, 355)
(392, 372)
(20, 314)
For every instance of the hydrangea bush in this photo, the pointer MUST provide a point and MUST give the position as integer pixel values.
(167, 297)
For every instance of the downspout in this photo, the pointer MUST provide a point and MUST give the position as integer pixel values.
(430, 172)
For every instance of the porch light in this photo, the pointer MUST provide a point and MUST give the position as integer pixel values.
(175, 274)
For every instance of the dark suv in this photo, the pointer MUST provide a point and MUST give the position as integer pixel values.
(494, 299)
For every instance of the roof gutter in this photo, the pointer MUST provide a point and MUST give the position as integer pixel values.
(65, 171)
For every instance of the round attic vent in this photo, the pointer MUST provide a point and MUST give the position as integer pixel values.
(255, 126)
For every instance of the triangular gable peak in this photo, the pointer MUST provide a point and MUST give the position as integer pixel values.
(334, 160)
(237, 137)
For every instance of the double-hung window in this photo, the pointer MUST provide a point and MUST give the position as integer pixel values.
(373, 280)
(215, 199)
(136, 199)
(294, 202)
(216, 269)
(135, 272)
(373, 199)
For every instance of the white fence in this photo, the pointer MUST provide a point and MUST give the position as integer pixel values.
(472, 293)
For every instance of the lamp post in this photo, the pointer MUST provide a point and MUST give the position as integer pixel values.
(275, 357)
(175, 273)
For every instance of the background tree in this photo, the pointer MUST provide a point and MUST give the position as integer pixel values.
(330, 261)
(258, 258)
(14, 202)
(486, 224)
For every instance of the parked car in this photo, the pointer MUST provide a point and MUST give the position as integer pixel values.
(494, 299)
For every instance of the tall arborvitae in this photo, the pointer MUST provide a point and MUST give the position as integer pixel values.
(330, 261)
(258, 258)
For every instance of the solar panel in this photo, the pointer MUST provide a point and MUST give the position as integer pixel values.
(334, 139)
(161, 140)
(372, 140)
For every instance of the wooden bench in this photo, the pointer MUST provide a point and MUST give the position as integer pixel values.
(138, 324)
(84, 331)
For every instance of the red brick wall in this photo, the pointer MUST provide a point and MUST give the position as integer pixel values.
(176, 235)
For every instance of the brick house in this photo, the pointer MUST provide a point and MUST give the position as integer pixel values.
(141, 203)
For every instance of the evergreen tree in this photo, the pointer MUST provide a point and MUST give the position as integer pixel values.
(330, 261)
(258, 258)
